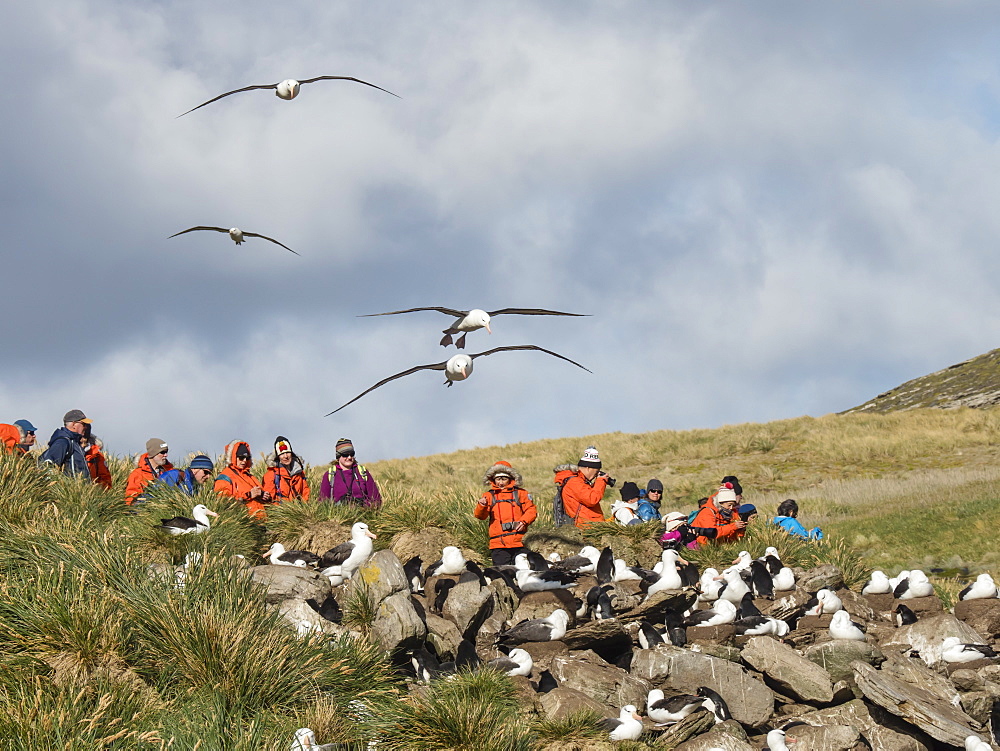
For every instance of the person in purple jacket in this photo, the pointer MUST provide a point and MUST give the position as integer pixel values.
(349, 482)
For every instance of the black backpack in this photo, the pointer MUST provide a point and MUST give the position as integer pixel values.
(559, 515)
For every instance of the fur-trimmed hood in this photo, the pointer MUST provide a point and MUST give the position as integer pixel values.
(272, 462)
(502, 469)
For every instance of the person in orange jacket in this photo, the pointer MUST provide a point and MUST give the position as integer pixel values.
(283, 479)
(17, 438)
(582, 493)
(237, 482)
(149, 466)
(99, 471)
(719, 515)
(510, 509)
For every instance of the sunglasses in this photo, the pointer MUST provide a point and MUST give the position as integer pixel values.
(346, 454)
(164, 452)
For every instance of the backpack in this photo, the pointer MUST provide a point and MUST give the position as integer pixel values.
(559, 515)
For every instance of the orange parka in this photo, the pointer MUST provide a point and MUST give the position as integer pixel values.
(710, 516)
(505, 508)
(140, 477)
(285, 485)
(10, 437)
(237, 483)
(582, 499)
(99, 471)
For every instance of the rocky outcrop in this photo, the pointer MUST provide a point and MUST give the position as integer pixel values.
(291, 582)
(590, 675)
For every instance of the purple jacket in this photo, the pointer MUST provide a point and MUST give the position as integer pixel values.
(357, 486)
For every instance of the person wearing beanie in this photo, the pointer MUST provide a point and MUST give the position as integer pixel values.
(509, 508)
(649, 506)
(285, 478)
(96, 462)
(237, 481)
(349, 482)
(148, 467)
(583, 491)
(64, 450)
(717, 520)
(192, 479)
(735, 482)
(625, 511)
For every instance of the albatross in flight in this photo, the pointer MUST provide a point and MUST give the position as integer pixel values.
(288, 89)
(237, 234)
(456, 368)
(472, 320)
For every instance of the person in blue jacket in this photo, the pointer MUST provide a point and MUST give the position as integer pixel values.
(649, 505)
(64, 450)
(786, 519)
(191, 479)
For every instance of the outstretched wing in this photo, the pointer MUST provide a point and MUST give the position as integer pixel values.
(195, 229)
(271, 239)
(534, 312)
(528, 346)
(446, 311)
(435, 366)
(342, 78)
(234, 91)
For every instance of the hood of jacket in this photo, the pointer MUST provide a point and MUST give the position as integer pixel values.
(499, 469)
(634, 505)
(231, 450)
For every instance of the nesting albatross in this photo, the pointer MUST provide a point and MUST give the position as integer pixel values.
(238, 235)
(552, 628)
(348, 556)
(456, 368)
(287, 89)
(181, 525)
(475, 319)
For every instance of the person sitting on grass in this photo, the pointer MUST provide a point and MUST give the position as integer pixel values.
(719, 514)
(509, 509)
(285, 478)
(649, 507)
(786, 518)
(625, 511)
(190, 480)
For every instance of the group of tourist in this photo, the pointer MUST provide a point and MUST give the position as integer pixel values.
(720, 517)
(75, 451)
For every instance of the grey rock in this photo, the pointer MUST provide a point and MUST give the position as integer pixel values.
(793, 674)
(382, 575)
(826, 576)
(543, 604)
(978, 705)
(912, 670)
(597, 635)
(589, 674)
(927, 634)
(967, 680)
(397, 626)
(468, 606)
(937, 718)
(750, 700)
(561, 702)
(727, 736)
(504, 600)
(883, 731)
(291, 582)
(837, 655)
(299, 615)
(443, 636)
(543, 652)
(827, 738)
(695, 724)
(981, 615)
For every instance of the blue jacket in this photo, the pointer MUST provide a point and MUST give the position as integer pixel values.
(180, 478)
(793, 527)
(65, 452)
(648, 511)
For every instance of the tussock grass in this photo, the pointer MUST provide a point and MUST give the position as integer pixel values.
(580, 727)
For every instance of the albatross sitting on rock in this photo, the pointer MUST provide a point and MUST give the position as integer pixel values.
(551, 628)
(628, 726)
(278, 556)
(345, 559)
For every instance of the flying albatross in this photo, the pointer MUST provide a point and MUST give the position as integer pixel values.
(288, 89)
(456, 368)
(181, 525)
(237, 234)
(472, 320)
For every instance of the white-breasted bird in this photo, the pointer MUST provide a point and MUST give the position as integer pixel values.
(842, 627)
(952, 650)
(878, 584)
(238, 235)
(475, 319)
(982, 588)
(824, 602)
(628, 726)
(735, 586)
(347, 557)
(915, 585)
(181, 525)
(721, 613)
(456, 368)
(287, 89)
(784, 580)
(666, 711)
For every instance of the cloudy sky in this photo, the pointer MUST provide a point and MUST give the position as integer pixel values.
(770, 209)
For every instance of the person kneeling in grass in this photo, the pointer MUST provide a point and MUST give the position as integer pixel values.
(786, 519)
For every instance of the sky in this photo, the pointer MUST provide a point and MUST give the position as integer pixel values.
(767, 210)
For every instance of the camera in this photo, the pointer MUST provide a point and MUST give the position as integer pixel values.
(508, 526)
(611, 480)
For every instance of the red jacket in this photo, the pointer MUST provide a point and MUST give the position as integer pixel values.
(10, 438)
(140, 477)
(582, 499)
(237, 483)
(99, 471)
(507, 506)
(283, 485)
(711, 516)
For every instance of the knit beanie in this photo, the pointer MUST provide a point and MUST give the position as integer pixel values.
(281, 445)
(344, 444)
(654, 485)
(734, 482)
(243, 452)
(590, 458)
(629, 491)
(202, 462)
(154, 446)
(725, 495)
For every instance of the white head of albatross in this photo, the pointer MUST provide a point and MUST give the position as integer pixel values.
(458, 368)
(287, 89)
